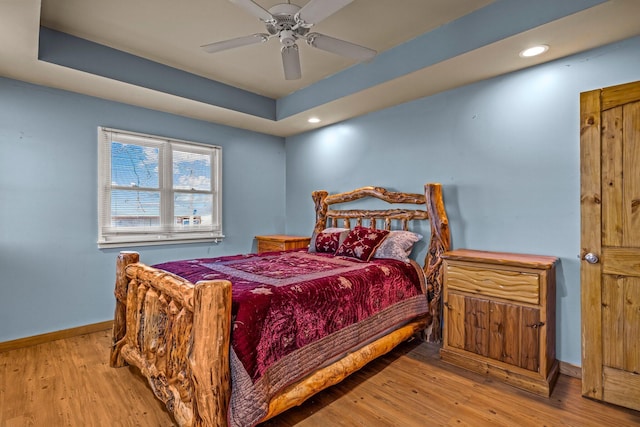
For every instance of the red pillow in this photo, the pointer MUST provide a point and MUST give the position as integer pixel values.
(328, 242)
(361, 243)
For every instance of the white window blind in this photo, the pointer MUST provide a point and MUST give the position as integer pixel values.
(155, 190)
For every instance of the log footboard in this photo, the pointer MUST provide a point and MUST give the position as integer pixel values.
(178, 335)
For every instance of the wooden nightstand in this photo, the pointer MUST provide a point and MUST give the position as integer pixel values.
(281, 242)
(499, 317)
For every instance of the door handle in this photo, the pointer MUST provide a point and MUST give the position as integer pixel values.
(591, 258)
(536, 325)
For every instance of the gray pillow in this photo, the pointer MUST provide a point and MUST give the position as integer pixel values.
(397, 245)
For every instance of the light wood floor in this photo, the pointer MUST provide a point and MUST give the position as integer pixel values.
(69, 383)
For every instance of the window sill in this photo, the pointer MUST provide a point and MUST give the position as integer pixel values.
(158, 240)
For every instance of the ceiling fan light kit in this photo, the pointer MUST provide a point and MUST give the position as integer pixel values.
(290, 22)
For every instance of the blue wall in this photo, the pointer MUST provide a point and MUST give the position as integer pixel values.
(506, 151)
(52, 274)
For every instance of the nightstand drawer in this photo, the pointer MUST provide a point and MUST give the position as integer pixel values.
(281, 242)
(507, 284)
(270, 246)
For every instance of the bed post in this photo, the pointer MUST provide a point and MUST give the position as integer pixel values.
(440, 242)
(209, 355)
(120, 316)
(319, 200)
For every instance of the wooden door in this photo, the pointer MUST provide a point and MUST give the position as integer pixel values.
(454, 332)
(476, 325)
(505, 326)
(610, 244)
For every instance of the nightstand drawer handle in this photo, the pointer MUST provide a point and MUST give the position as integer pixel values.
(536, 325)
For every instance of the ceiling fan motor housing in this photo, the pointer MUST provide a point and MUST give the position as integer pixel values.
(284, 23)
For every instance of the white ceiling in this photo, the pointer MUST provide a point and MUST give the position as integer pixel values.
(170, 32)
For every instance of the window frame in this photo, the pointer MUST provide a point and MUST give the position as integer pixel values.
(167, 232)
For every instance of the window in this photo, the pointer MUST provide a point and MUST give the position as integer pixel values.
(155, 190)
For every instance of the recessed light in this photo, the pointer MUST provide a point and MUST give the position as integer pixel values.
(534, 51)
(314, 120)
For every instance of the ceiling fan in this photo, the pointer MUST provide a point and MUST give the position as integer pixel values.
(289, 23)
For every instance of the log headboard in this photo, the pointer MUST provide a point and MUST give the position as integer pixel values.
(433, 210)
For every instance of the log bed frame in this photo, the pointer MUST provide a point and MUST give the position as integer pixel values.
(178, 334)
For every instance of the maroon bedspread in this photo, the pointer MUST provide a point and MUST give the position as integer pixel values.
(294, 312)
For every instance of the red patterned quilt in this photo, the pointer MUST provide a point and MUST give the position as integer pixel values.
(294, 312)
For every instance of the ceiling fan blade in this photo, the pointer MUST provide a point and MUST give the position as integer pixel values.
(340, 47)
(237, 42)
(254, 9)
(317, 10)
(291, 62)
